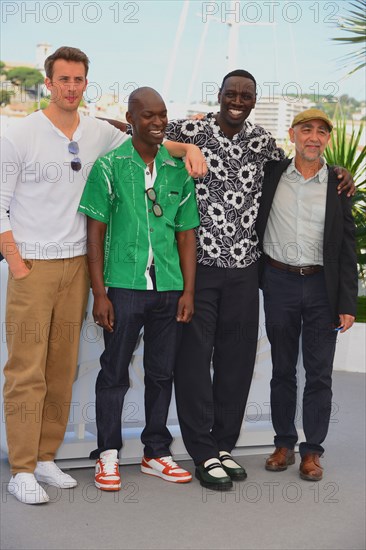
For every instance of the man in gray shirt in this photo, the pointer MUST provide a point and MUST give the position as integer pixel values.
(309, 285)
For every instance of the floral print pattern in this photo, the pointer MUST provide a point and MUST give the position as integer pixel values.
(228, 196)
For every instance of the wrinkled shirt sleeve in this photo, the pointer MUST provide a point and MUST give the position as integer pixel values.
(10, 172)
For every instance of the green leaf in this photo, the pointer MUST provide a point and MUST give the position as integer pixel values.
(355, 25)
(348, 152)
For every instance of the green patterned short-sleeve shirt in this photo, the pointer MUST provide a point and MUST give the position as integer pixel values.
(115, 194)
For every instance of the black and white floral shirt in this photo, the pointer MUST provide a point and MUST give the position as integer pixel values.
(228, 196)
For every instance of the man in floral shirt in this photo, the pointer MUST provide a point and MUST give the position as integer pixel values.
(226, 302)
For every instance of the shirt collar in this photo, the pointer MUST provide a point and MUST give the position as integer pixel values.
(320, 177)
(211, 118)
(127, 150)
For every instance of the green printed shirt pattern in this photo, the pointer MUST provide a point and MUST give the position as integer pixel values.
(115, 195)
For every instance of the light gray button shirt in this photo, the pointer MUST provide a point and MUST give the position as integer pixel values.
(295, 228)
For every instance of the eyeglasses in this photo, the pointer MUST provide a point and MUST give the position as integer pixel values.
(156, 208)
(74, 150)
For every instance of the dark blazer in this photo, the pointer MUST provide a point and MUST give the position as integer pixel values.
(340, 261)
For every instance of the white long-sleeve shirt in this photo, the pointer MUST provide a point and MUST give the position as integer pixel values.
(40, 193)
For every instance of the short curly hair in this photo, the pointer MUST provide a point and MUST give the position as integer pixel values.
(239, 72)
(68, 54)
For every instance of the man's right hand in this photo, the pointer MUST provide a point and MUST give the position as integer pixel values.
(17, 265)
(103, 312)
(20, 271)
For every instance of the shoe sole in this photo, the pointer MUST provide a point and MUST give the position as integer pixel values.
(237, 477)
(274, 468)
(233, 476)
(31, 503)
(18, 497)
(151, 472)
(115, 487)
(307, 477)
(225, 486)
(54, 484)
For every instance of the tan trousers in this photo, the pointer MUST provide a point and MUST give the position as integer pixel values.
(44, 314)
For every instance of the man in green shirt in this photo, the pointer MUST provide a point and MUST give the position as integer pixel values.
(141, 210)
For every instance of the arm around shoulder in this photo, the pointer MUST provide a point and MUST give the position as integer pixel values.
(195, 162)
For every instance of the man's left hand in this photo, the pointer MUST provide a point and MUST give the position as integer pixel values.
(185, 308)
(346, 183)
(195, 162)
(346, 321)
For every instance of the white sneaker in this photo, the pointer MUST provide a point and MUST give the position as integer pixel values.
(26, 489)
(166, 468)
(50, 473)
(107, 477)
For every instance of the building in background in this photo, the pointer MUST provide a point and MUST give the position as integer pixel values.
(43, 50)
(276, 113)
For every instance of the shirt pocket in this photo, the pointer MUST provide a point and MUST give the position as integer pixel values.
(317, 216)
(173, 196)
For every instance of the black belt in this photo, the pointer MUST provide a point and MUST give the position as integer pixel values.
(304, 270)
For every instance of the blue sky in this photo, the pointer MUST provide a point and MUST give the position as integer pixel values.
(132, 43)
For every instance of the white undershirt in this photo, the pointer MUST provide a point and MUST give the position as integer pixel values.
(149, 182)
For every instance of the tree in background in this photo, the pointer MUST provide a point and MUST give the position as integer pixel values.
(354, 23)
(25, 76)
(5, 97)
(347, 151)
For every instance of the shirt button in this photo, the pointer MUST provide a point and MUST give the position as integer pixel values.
(151, 230)
(147, 173)
(150, 210)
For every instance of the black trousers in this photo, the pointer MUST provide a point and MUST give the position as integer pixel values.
(297, 305)
(225, 329)
(156, 312)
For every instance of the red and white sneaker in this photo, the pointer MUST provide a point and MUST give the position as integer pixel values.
(107, 476)
(166, 468)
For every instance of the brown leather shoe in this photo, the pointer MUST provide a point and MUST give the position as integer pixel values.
(280, 459)
(310, 468)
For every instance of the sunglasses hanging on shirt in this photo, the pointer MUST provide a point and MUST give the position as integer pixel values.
(156, 208)
(74, 150)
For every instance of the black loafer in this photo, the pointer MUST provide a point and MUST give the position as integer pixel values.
(236, 473)
(211, 482)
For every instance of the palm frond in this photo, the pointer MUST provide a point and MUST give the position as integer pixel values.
(346, 151)
(355, 24)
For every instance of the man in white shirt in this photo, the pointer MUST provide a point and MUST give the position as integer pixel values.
(45, 162)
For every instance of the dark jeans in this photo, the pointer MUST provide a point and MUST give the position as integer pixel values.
(295, 304)
(224, 328)
(134, 309)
